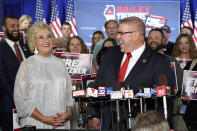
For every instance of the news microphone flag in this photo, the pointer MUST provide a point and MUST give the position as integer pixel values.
(108, 90)
(101, 91)
(116, 95)
(128, 94)
(91, 92)
(161, 91)
(78, 93)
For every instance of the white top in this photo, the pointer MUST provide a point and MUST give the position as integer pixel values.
(135, 56)
(45, 84)
(11, 44)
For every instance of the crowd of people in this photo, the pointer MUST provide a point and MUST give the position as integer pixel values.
(38, 85)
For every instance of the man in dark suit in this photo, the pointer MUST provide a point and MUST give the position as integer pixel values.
(9, 64)
(146, 67)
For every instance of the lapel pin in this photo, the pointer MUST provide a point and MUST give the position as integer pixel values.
(144, 61)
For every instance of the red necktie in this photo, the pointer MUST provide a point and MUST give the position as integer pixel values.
(123, 68)
(18, 53)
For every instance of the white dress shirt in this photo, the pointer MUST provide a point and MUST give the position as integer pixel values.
(11, 44)
(135, 56)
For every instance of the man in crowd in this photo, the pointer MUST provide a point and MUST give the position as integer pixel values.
(155, 41)
(111, 28)
(12, 53)
(66, 30)
(60, 43)
(168, 45)
(134, 63)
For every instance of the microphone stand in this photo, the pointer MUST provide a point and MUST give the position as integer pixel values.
(130, 119)
(165, 107)
(80, 119)
(117, 126)
(141, 102)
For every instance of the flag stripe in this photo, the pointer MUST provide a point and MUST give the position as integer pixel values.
(70, 16)
(54, 29)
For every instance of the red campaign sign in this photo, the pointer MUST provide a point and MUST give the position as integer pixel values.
(189, 86)
(77, 64)
(161, 90)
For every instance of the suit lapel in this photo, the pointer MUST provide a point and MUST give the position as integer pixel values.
(10, 56)
(144, 58)
(24, 49)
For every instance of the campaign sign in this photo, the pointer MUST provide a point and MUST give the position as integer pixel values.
(189, 87)
(77, 64)
(183, 62)
(153, 13)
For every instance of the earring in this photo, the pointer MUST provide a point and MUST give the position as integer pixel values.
(35, 51)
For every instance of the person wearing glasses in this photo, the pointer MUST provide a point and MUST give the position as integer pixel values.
(111, 28)
(133, 63)
(43, 88)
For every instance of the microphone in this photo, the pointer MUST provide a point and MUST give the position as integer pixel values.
(161, 91)
(91, 91)
(101, 91)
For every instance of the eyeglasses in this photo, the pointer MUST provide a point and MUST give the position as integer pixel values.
(42, 38)
(121, 33)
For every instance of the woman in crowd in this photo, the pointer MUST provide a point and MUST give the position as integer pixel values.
(184, 49)
(97, 36)
(76, 45)
(106, 44)
(190, 116)
(186, 30)
(109, 43)
(43, 89)
(25, 22)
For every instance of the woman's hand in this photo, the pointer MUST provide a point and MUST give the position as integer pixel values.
(51, 120)
(63, 117)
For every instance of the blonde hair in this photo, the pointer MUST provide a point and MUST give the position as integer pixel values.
(23, 18)
(32, 31)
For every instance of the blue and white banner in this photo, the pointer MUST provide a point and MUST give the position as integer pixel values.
(91, 15)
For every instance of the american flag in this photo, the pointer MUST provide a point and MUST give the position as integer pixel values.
(195, 29)
(186, 19)
(70, 16)
(55, 21)
(39, 12)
